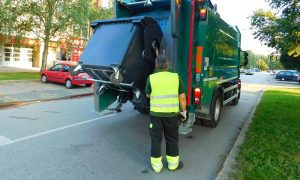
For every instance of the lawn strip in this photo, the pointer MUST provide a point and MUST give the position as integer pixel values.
(272, 146)
(19, 76)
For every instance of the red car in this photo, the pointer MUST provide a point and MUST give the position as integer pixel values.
(59, 73)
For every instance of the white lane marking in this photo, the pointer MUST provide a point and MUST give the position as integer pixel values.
(54, 130)
(4, 140)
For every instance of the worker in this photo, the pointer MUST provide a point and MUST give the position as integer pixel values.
(165, 90)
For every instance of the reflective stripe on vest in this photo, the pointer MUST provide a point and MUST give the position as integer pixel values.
(164, 92)
(173, 162)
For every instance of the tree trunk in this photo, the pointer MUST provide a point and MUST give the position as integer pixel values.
(45, 53)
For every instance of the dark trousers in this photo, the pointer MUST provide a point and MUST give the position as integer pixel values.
(168, 126)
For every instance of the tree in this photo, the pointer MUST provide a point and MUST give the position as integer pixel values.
(10, 18)
(261, 64)
(49, 19)
(279, 28)
(290, 62)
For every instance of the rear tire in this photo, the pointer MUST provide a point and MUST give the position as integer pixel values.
(215, 111)
(69, 84)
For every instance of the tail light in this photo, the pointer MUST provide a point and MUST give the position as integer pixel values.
(202, 11)
(203, 14)
(200, 2)
(197, 96)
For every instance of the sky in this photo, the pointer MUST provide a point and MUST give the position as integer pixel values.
(235, 12)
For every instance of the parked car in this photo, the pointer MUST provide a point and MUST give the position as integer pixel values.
(59, 73)
(287, 75)
(249, 72)
(298, 78)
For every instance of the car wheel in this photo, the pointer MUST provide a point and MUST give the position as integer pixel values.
(282, 79)
(44, 79)
(69, 84)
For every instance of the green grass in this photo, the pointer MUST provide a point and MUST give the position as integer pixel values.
(19, 75)
(272, 145)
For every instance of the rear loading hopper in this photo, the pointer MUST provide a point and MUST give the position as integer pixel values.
(119, 57)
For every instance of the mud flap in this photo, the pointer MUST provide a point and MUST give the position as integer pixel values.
(105, 99)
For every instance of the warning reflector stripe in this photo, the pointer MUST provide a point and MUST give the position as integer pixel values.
(199, 59)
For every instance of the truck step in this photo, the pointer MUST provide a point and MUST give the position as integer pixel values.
(184, 130)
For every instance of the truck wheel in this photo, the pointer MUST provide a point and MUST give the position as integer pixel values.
(215, 111)
(143, 110)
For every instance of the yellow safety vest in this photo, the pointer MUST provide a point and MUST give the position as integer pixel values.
(164, 92)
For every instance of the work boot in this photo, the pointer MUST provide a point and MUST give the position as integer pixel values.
(180, 165)
(156, 164)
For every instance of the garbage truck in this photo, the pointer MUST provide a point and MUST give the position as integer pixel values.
(203, 49)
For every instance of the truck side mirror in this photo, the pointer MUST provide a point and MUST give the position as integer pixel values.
(215, 7)
(245, 58)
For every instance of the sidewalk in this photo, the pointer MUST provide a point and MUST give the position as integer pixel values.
(24, 92)
(17, 69)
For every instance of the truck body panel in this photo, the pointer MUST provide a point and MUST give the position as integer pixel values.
(203, 49)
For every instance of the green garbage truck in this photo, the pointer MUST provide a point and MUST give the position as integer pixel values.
(203, 49)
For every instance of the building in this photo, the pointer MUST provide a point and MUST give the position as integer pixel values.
(102, 3)
(27, 52)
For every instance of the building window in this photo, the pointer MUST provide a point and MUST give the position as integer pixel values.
(7, 53)
(27, 54)
(16, 54)
(24, 54)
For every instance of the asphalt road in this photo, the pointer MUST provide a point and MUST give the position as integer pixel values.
(66, 139)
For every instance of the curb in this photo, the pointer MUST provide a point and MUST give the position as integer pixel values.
(23, 103)
(230, 160)
(16, 81)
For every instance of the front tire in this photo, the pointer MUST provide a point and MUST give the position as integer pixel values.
(215, 111)
(44, 79)
(69, 84)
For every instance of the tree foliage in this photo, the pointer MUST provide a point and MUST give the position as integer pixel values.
(280, 27)
(49, 19)
(262, 64)
(10, 18)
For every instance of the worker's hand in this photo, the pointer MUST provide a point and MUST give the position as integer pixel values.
(183, 115)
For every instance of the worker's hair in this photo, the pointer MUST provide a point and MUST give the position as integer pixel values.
(162, 62)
